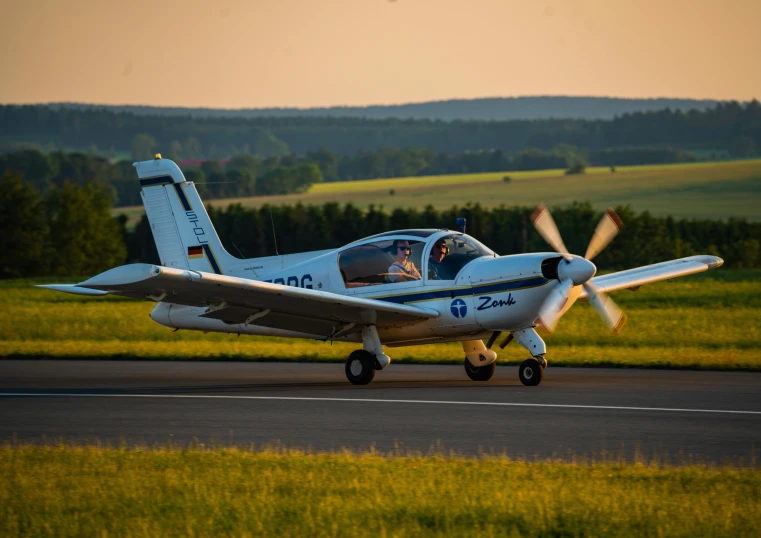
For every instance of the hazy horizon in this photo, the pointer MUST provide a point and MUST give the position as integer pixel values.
(379, 104)
(344, 53)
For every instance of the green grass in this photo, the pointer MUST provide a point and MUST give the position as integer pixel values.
(91, 491)
(712, 321)
(715, 190)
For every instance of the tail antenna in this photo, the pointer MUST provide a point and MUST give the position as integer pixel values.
(274, 236)
(236, 248)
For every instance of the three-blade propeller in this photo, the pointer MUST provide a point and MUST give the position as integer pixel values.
(577, 271)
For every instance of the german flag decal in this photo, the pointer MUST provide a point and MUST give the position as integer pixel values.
(195, 252)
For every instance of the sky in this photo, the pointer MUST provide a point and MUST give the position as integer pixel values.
(305, 53)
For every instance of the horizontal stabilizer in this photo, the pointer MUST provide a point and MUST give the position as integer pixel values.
(72, 288)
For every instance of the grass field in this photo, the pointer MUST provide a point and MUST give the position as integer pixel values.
(712, 320)
(714, 190)
(89, 491)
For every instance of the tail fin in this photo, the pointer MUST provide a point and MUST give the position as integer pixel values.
(182, 230)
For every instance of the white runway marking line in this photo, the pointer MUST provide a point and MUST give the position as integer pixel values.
(377, 400)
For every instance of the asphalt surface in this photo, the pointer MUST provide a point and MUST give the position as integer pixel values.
(676, 416)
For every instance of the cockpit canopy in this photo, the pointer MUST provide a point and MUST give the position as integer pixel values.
(385, 259)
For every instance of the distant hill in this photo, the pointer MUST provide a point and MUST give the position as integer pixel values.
(729, 126)
(497, 108)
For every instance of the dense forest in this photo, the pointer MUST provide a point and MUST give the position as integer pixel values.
(728, 127)
(494, 108)
(246, 175)
(38, 236)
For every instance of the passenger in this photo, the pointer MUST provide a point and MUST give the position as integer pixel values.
(438, 252)
(402, 269)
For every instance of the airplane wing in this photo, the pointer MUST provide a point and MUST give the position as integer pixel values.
(634, 278)
(237, 300)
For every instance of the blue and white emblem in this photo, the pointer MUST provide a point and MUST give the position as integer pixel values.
(458, 308)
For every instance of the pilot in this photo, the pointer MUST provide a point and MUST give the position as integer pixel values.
(438, 252)
(402, 269)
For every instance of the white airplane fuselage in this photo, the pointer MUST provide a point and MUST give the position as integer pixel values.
(489, 294)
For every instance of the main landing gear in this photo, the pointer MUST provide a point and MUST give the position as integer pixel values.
(480, 373)
(360, 367)
(362, 363)
(479, 359)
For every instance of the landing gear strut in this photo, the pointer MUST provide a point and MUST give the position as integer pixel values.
(531, 371)
(362, 363)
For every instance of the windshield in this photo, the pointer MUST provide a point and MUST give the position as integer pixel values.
(385, 261)
(449, 254)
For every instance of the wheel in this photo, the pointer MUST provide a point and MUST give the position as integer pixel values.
(480, 373)
(360, 367)
(530, 372)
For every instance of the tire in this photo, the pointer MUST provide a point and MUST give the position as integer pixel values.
(360, 367)
(530, 372)
(480, 373)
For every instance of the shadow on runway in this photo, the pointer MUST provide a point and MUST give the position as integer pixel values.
(275, 386)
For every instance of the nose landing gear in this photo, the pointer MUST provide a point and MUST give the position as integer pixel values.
(531, 371)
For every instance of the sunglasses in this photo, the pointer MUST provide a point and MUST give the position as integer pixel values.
(406, 249)
(442, 248)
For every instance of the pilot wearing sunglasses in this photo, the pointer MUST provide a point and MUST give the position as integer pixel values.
(438, 252)
(402, 269)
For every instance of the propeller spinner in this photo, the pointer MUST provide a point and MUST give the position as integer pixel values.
(577, 271)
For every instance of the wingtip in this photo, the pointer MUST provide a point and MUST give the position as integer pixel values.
(711, 261)
(73, 289)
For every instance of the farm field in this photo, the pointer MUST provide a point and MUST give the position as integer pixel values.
(711, 320)
(714, 190)
(164, 491)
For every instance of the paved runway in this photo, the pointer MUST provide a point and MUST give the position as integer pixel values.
(709, 416)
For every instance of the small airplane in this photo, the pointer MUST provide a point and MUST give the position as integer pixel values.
(399, 288)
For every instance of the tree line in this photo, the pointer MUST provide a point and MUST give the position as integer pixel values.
(69, 231)
(729, 127)
(243, 175)
(643, 240)
(490, 108)
(247, 175)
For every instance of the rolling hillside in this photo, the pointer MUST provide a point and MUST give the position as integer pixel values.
(697, 190)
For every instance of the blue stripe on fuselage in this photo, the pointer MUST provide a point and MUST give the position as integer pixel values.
(512, 285)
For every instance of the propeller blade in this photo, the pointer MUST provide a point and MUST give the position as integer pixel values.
(549, 312)
(606, 230)
(545, 225)
(611, 314)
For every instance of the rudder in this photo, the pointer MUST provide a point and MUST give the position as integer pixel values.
(184, 235)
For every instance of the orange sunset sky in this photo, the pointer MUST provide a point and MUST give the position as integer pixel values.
(305, 53)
